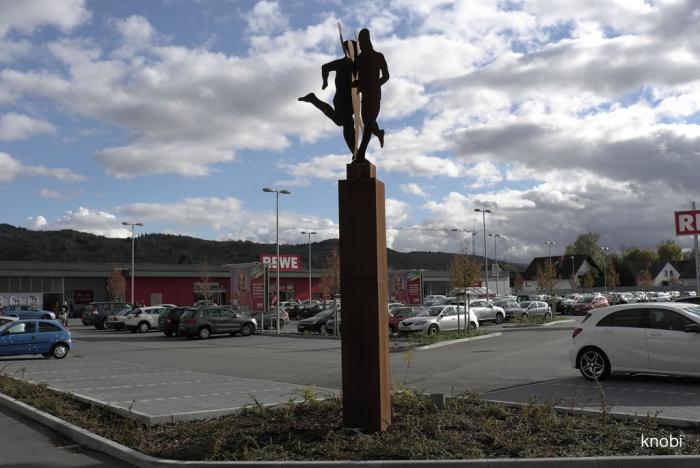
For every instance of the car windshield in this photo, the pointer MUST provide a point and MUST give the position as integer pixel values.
(189, 313)
(693, 310)
(431, 312)
(585, 299)
(324, 313)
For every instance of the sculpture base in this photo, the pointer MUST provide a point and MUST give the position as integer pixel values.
(363, 289)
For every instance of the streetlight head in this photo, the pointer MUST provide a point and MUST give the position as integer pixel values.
(478, 210)
(286, 192)
(138, 224)
(125, 223)
(304, 232)
(312, 232)
(267, 189)
(487, 211)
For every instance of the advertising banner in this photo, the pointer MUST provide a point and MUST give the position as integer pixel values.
(288, 262)
(248, 282)
(687, 222)
(83, 296)
(34, 300)
(406, 286)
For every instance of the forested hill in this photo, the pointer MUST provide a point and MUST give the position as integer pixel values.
(72, 246)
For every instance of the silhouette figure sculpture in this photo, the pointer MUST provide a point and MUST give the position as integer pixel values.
(373, 73)
(341, 113)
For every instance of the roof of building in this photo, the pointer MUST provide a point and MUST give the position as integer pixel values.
(562, 265)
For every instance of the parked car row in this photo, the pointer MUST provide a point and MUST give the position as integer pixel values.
(191, 322)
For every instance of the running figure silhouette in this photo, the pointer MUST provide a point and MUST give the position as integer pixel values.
(341, 112)
(370, 64)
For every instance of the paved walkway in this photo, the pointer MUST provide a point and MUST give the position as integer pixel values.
(664, 397)
(153, 393)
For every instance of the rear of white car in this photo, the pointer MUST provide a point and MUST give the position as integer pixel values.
(143, 319)
(638, 338)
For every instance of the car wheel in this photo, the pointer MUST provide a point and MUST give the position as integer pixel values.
(168, 333)
(59, 351)
(523, 317)
(593, 364)
(499, 318)
(471, 326)
(246, 330)
(433, 330)
(204, 333)
(143, 327)
(548, 316)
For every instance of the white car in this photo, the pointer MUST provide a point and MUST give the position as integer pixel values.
(435, 319)
(143, 319)
(649, 338)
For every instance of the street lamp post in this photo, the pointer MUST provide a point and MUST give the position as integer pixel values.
(483, 212)
(277, 242)
(573, 273)
(495, 257)
(550, 269)
(310, 233)
(133, 225)
(605, 268)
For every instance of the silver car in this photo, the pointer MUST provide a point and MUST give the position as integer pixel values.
(529, 309)
(439, 318)
(486, 311)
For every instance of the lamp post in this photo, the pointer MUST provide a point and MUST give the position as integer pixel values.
(573, 274)
(605, 268)
(133, 225)
(495, 257)
(277, 242)
(483, 212)
(550, 270)
(310, 233)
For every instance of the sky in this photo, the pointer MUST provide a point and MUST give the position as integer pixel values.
(560, 116)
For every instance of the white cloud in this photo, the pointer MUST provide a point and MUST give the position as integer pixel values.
(266, 17)
(213, 212)
(50, 194)
(396, 211)
(19, 127)
(413, 189)
(25, 16)
(83, 219)
(11, 168)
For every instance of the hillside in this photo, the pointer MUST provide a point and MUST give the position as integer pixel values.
(22, 244)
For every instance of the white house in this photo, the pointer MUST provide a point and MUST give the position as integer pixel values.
(565, 267)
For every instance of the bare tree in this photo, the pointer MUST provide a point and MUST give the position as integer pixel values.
(330, 282)
(464, 271)
(545, 276)
(116, 285)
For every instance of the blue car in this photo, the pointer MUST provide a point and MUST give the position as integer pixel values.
(26, 312)
(45, 337)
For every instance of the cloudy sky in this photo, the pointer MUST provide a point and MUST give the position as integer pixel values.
(561, 116)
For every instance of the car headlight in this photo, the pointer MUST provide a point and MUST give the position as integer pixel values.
(420, 322)
(255, 323)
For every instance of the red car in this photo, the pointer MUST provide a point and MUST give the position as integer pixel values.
(587, 303)
(400, 313)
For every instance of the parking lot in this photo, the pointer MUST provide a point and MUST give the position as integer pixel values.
(163, 379)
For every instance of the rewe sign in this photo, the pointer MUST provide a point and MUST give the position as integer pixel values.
(687, 222)
(288, 262)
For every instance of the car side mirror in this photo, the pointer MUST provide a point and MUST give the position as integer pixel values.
(692, 328)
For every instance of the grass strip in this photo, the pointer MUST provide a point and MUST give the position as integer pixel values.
(312, 430)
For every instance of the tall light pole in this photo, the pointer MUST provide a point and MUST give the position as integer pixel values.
(573, 273)
(133, 225)
(277, 242)
(550, 270)
(495, 257)
(605, 268)
(483, 212)
(310, 233)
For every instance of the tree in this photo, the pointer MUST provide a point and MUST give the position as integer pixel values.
(587, 244)
(116, 285)
(464, 271)
(330, 282)
(545, 276)
(517, 282)
(588, 280)
(612, 276)
(669, 251)
(637, 259)
(205, 282)
(644, 280)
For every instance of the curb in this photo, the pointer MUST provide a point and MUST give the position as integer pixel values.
(128, 455)
(451, 342)
(535, 326)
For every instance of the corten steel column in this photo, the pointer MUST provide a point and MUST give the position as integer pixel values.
(363, 290)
